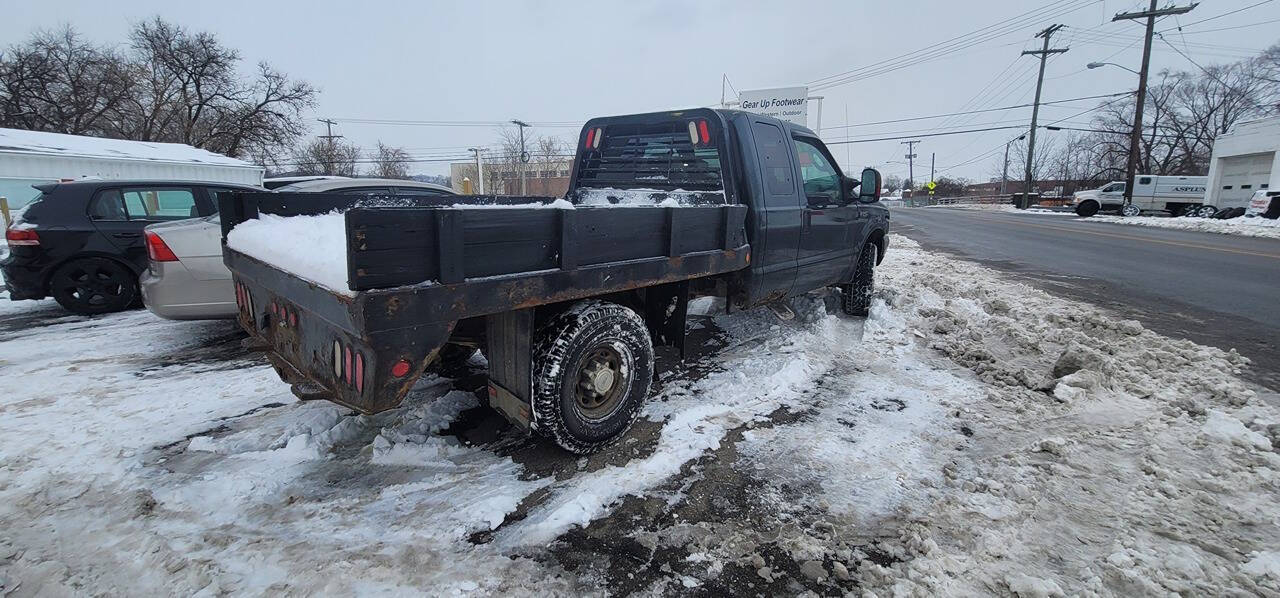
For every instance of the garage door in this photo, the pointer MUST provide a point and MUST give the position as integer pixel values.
(1241, 176)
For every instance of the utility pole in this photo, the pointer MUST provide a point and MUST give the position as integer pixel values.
(1135, 137)
(524, 156)
(328, 165)
(1043, 53)
(479, 167)
(911, 165)
(932, 157)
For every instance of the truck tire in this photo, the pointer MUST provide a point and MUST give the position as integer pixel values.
(94, 285)
(1206, 211)
(592, 369)
(1087, 208)
(1130, 210)
(855, 297)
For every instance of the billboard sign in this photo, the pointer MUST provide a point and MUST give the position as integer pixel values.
(785, 103)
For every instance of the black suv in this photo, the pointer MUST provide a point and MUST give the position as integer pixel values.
(82, 242)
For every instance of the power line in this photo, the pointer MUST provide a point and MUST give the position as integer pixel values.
(1228, 28)
(915, 118)
(1226, 13)
(950, 46)
(843, 141)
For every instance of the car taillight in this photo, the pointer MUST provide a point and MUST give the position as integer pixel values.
(21, 237)
(704, 132)
(591, 135)
(400, 369)
(157, 250)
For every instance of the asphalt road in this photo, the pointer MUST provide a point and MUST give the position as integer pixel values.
(1218, 290)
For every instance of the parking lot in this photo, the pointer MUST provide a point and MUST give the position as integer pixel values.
(1003, 442)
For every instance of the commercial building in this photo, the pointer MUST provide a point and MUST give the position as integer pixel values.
(1244, 160)
(541, 178)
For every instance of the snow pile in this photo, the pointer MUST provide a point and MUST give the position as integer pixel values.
(1245, 226)
(558, 204)
(609, 196)
(310, 247)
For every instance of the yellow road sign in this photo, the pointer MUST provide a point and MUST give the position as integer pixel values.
(931, 185)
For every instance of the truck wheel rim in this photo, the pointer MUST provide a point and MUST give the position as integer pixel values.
(601, 383)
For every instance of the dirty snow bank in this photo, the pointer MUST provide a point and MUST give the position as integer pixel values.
(1244, 226)
(310, 247)
(1101, 459)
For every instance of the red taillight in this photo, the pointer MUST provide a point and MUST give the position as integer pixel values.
(400, 369)
(359, 373)
(346, 360)
(591, 135)
(704, 132)
(21, 237)
(157, 250)
(293, 319)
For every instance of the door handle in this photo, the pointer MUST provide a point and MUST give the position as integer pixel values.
(806, 220)
(126, 235)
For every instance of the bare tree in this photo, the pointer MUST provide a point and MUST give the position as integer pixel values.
(892, 183)
(390, 162)
(192, 88)
(327, 157)
(171, 86)
(57, 82)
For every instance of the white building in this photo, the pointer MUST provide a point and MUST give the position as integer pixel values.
(30, 157)
(1245, 160)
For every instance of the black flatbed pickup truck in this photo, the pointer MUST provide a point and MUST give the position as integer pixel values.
(567, 304)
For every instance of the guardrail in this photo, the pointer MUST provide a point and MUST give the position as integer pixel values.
(979, 200)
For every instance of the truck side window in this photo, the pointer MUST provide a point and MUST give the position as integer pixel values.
(817, 173)
(1146, 180)
(772, 148)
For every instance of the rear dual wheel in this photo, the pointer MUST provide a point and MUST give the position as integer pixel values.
(592, 369)
(93, 286)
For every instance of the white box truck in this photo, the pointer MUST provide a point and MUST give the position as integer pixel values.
(1177, 195)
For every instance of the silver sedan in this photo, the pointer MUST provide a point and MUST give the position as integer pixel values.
(186, 278)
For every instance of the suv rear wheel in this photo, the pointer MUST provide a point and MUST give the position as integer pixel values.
(94, 285)
(592, 368)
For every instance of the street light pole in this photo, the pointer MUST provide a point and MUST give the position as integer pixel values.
(1135, 136)
(1004, 176)
(479, 167)
(524, 156)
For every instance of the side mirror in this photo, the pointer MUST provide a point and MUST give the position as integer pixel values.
(869, 188)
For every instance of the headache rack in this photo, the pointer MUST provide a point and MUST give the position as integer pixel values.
(663, 151)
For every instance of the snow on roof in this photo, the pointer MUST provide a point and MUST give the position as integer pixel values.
(58, 144)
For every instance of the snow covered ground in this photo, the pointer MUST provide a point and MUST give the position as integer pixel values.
(972, 436)
(1249, 227)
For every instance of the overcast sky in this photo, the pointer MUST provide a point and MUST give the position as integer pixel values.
(562, 62)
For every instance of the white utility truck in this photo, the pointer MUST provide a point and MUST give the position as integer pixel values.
(1177, 195)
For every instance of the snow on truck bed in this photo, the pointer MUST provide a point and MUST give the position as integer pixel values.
(313, 248)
